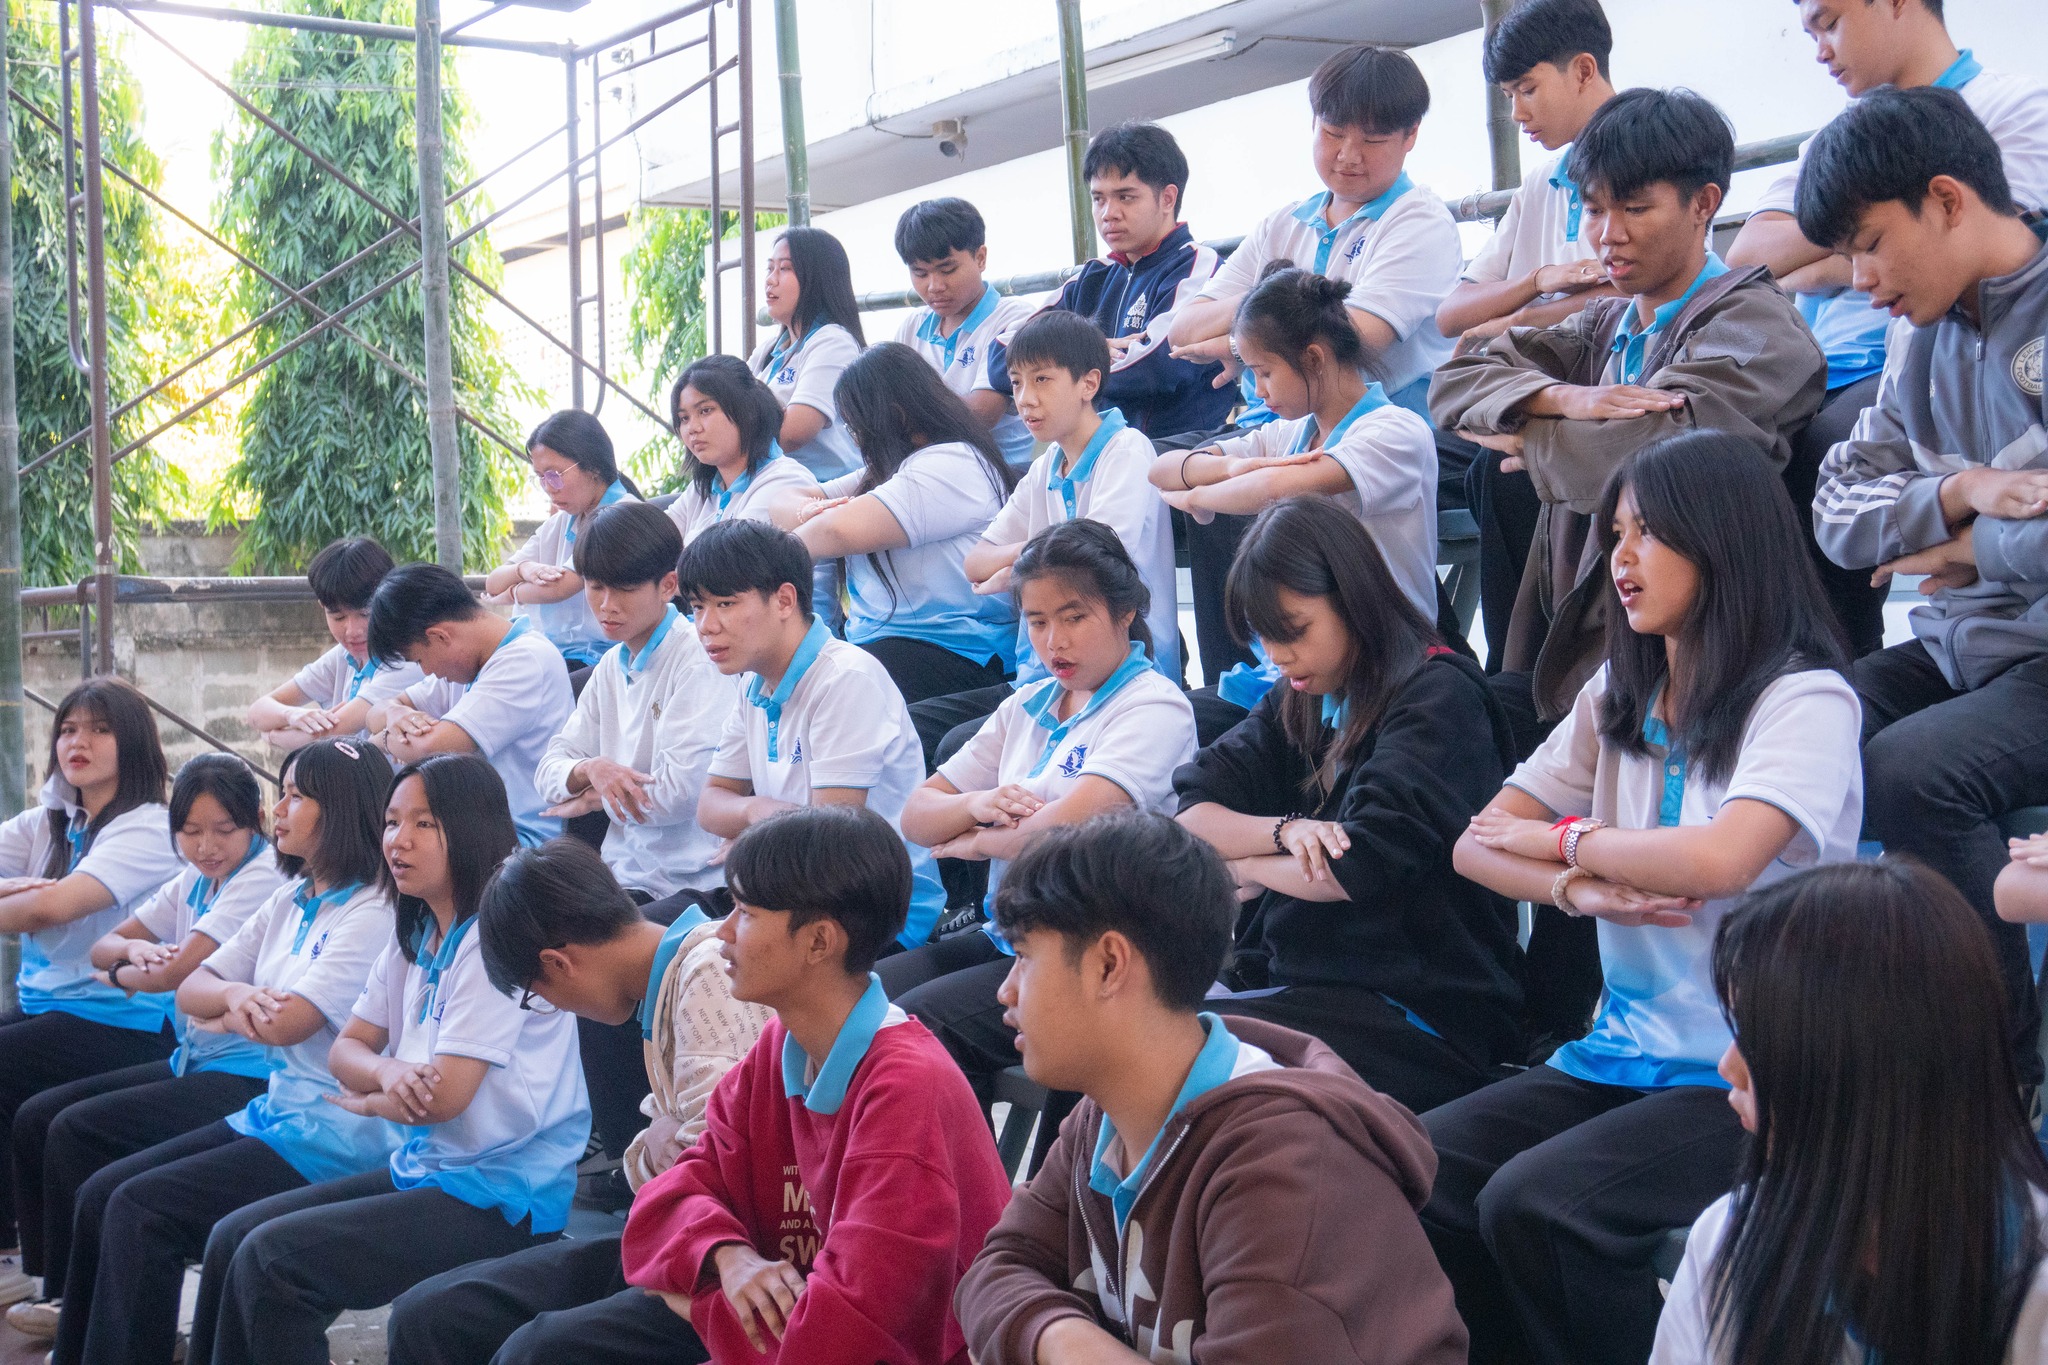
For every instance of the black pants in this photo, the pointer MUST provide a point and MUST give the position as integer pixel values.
(1211, 548)
(1858, 606)
(140, 1220)
(1552, 1195)
(66, 1134)
(1393, 1056)
(1939, 768)
(945, 723)
(951, 986)
(615, 1075)
(566, 1301)
(38, 1051)
(297, 1261)
(923, 670)
(1505, 508)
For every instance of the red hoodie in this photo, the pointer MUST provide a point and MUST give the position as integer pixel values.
(901, 1182)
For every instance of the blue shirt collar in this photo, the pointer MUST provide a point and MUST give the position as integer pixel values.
(437, 962)
(1335, 711)
(665, 955)
(825, 1094)
(633, 665)
(311, 904)
(1068, 485)
(1561, 179)
(814, 642)
(1671, 797)
(1374, 397)
(1041, 704)
(1634, 345)
(1311, 212)
(615, 493)
(1213, 1066)
(204, 892)
(361, 675)
(1965, 69)
(725, 495)
(928, 330)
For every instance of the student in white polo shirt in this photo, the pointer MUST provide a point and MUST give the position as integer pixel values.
(727, 421)
(932, 480)
(332, 697)
(820, 724)
(571, 455)
(944, 244)
(1105, 731)
(809, 295)
(487, 1092)
(493, 686)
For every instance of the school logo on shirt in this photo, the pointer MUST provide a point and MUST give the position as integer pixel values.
(1070, 766)
(2026, 367)
(1134, 316)
(785, 375)
(1356, 249)
(318, 944)
(966, 356)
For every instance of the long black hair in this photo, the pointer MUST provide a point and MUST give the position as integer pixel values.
(350, 782)
(1760, 612)
(581, 439)
(1291, 309)
(1313, 547)
(1089, 557)
(824, 282)
(228, 779)
(750, 405)
(139, 763)
(894, 405)
(1889, 1188)
(468, 800)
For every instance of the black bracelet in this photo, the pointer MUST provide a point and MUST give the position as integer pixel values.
(1281, 824)
(114, 972)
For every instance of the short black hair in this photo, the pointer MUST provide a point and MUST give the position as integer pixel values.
(1145, 150)
(345, 574)
(1058, 337)
(843, 863)
(351, 784)
(626, 545)
(742, 556)
(1554, 31)
(411, 598)
(1135, 872)
(548, 898)
(1378, 89)
(228, 779)
(934, 229)
(1887, 146)
(1644, 137)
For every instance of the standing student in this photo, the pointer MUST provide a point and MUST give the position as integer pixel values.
(571, 455)
(493, 687)
(1901, 43)
(1891, 1199)
(285, 979)
(821, 723)
(1103, 732)
(944, 245)
(809, 296)
(489, 1095)
(727, 421)
(77, 863)
(1137, 188)
(1257, 1202)
(845, 1178)
(331, 697)
(67, 1132)
(558, 931)
(1335, 804)
(1713, 752)
(932, 480)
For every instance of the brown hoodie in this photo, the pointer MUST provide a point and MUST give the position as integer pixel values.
(1277, 1225)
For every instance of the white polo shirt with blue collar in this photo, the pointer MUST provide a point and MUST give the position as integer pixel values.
(569, 624)
(1544, 225)
(1631, 345)
(962, 358)
(748, 499)
(189, 904)
(806, 372)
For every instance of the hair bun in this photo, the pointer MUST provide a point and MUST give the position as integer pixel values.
(1323, 290)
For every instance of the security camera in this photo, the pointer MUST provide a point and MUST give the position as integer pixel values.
(952, 136)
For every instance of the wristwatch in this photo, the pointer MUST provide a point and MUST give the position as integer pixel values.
(1575, 831)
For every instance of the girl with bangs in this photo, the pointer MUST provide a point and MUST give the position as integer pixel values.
(727, 421)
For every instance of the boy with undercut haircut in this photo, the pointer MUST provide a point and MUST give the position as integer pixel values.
(944, 243)
(1228, 1190)
(846, 1177)
(331, 698)
(1946, 475)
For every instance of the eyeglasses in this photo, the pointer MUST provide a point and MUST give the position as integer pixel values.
(529, 1001)
(550, 479)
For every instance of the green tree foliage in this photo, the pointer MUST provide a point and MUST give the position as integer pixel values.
(143, 321)
(333, 442)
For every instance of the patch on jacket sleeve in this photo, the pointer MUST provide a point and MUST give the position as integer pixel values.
(1740, 342)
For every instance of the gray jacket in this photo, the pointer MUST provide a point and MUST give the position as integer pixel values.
(1953, 397)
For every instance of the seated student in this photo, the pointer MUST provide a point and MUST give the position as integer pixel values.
(1901, 43)
(727, 421)
(1892, 1198)
(844, 1093)
(1105, 731)
(559, 932)
(944, 245)
(1715, 751)
(493, 686)
(488, 1094)
(76, 864)
(67, 1132)
(1909, 183)
(1337, 436)
(1540, 266)
(1265, 1199)
(932, 482)
(572, 457)
(1138, 184)
(331, 697)
(809, 295)
(822, 723)
(1696, 347)
(1335, 805)
(286, 980)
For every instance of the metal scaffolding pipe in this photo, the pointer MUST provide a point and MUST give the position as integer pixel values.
(745, 61)
(13, 739)
(443, 440)
(396, 33)
(796, 156)
(96, 332)
(1503, 139)
(1074, 126)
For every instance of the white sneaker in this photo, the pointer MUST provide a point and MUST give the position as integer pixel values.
(14, 1286)
(35, 1319)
